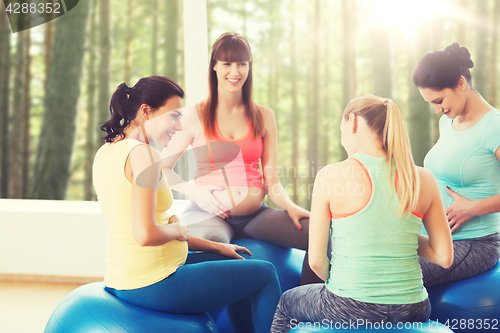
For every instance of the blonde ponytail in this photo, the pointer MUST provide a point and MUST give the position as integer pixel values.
(397, 145)
(384, 118)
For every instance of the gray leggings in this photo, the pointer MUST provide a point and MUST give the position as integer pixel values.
(471, 257)
(315, 303)
(267, 224)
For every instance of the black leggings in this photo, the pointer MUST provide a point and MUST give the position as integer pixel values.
(471, 257)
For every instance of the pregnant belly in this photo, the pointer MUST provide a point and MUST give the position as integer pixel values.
(241, 200)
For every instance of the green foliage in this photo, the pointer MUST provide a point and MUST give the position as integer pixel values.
(267, 26)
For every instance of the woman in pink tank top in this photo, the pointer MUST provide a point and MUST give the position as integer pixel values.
(233, 139)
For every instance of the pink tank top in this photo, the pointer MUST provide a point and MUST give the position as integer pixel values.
(229, 162)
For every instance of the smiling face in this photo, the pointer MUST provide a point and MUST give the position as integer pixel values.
(231, 76)
(163, 123)
(450, 102)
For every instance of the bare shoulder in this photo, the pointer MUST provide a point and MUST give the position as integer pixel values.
(191, 121)
(349, 168)
(345, 184)
(336, 172)
(268, 119)
(426, 176)
(145, 153)
(429, 188)
(266, 112)
(144, 158)
(190, 112)
(264, 109)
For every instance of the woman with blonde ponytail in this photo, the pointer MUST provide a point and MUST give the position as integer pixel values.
(374, 203)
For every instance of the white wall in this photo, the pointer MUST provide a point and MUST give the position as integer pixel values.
(49, 237)
(52, 237)
(195, 50)
(67, 238)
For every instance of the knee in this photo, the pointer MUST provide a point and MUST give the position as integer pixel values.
(219, 237)
(214, 234)
(268, 271)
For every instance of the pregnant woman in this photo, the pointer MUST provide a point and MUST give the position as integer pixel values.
(465, 162)
(146, 249)
(231, 137)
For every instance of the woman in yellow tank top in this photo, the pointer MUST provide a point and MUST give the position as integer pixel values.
(146, 248)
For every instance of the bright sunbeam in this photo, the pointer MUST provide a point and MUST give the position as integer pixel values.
(408, 15)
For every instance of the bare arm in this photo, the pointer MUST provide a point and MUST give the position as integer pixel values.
(270, 168)
(146, 175)
(319, 228)
(437, 247)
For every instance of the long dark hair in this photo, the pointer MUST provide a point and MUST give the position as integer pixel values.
(442, 69)
(230, 47)
(126, 101)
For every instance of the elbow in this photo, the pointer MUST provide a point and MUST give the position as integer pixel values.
(447, 264)
(320, 270)
(316, 265)
(444, 259)
(142, 238)
(142, 241)
(447, 261)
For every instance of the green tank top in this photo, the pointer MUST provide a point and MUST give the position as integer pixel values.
(375, 251)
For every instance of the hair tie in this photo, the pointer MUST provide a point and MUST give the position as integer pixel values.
(386, 102)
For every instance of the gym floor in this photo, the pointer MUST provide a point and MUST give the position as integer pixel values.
(25, 307)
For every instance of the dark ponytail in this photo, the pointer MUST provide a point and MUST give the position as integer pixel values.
(120, 117)
(442, 69)
(126, 101)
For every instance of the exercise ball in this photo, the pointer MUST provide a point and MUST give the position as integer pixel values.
(468, 305)
(90, 308)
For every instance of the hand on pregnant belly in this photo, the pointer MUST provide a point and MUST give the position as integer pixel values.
(208, 198)
(242, 200)
(460, 211)
(232, 200)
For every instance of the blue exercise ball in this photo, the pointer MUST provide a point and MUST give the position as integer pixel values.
(469, 305)
(90, 308)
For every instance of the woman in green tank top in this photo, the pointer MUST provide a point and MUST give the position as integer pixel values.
(374, 203)
(465, 161)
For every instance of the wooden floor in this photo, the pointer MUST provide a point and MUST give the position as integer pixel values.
(25, 307)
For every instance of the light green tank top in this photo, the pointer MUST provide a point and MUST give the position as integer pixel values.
(375, 251)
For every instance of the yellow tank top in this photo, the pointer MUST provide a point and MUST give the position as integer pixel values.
(129, 265)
